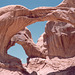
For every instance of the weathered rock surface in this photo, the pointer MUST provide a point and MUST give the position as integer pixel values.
(24, 38)
(67, 3)
(8, 72)
(59, 39)
(50, 44)
(56, 41)
(53, 66)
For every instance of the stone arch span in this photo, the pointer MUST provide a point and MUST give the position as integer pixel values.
(14, 18)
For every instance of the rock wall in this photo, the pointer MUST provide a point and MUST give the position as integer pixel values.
(53, 43)
(59, 39)
(56, 41)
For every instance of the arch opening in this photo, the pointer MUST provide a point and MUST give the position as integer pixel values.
(37, 29)
(18, 51)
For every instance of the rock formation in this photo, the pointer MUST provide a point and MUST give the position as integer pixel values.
(24, 38)
(54, 66)
(56, 41)
(59, 38)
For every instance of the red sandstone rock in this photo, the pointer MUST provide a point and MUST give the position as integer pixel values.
(24, 38)
(53, 66)
(58, 39)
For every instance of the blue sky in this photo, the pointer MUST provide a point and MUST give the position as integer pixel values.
(36, 29)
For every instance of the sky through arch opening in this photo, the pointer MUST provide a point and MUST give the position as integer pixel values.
(36, 29)
(18, 51)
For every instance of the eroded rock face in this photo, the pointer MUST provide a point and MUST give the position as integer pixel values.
(24, 38)
(17, 17)
(14, 18)
(53, 66)
(67, 3)
(58, 39)
(54, 42)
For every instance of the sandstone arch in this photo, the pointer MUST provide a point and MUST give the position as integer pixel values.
(24, 38)
(14, 18)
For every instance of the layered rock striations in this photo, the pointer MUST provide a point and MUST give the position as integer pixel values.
(60, 39)
(56, 41)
